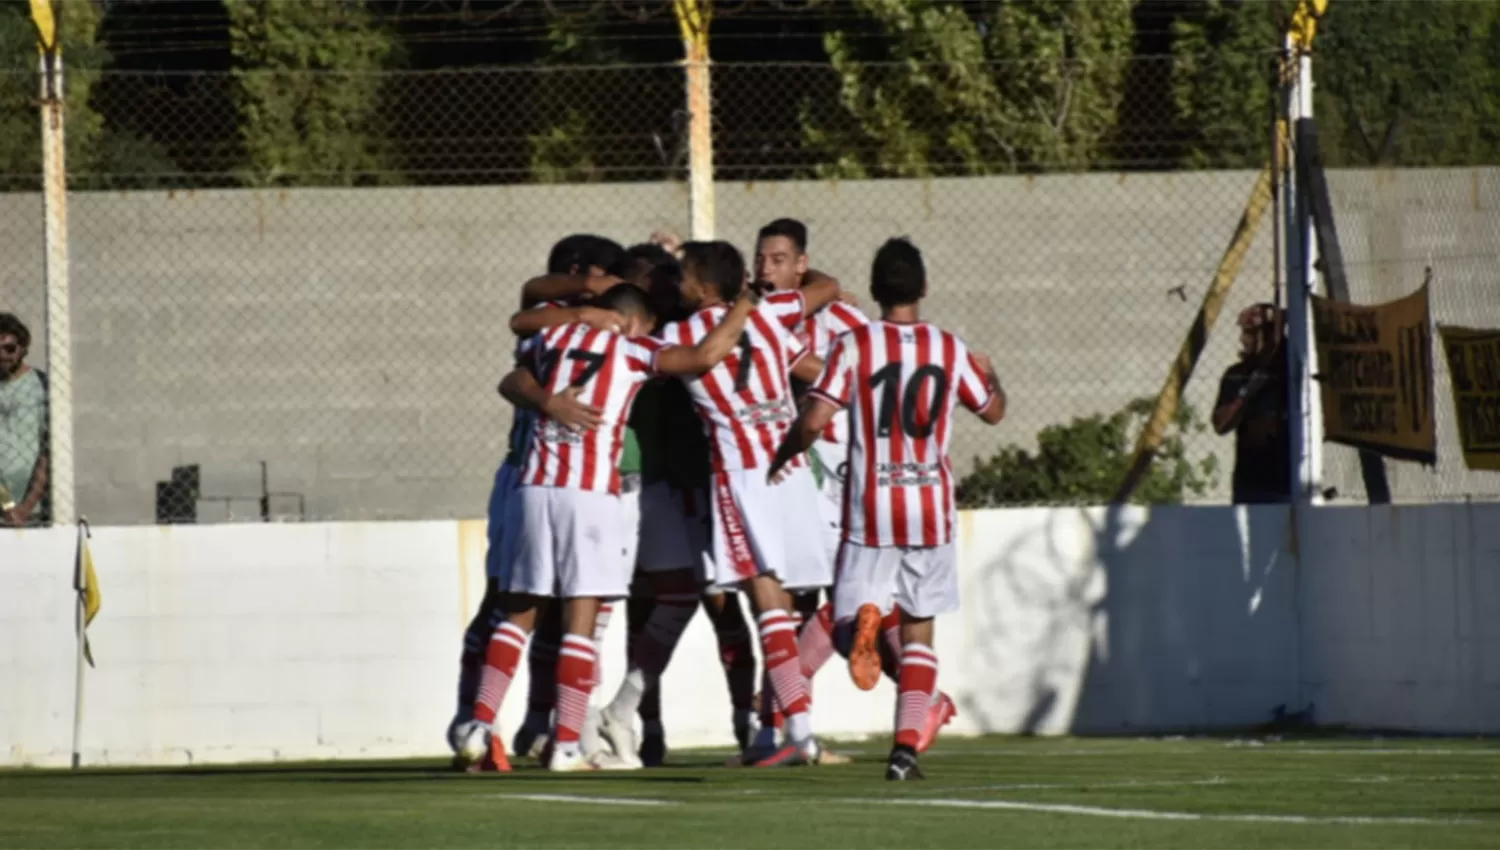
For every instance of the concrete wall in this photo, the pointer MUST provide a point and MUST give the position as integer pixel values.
(353, 338)
(233, 643)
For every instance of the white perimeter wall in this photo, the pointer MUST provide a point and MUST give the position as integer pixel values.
(244, 642)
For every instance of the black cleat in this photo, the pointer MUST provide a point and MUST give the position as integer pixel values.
(903, 766)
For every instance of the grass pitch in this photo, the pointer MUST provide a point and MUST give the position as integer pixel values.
(987, 792)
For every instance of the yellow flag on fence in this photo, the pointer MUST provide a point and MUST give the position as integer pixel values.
(86, 582)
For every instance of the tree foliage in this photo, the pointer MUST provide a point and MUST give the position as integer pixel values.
(297, 127)
(1012, 87)
(1397, 83)
(563, 150)
(96, 157)
(1411, 84)
(1085, 461)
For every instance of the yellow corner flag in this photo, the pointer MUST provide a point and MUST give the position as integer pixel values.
(86, 582)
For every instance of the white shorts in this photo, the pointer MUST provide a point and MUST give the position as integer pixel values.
(675, 530)
(501, 520)
(924, 582)
(570, 543)
(829, 459)
(765, 529)
(630, 501)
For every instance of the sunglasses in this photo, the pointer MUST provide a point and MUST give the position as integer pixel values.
(10, 348)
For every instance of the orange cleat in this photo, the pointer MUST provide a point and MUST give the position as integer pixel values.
(864, 655)
(496, 761)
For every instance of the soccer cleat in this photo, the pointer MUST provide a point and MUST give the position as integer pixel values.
(902, 765)
(571, 761)
(620, 735)
(939, 714)
(653, 750)
(530, 741)
(808, 752)
(497, 761)
(864, 654)
(763, 745)
(473, 745)
(829, 758)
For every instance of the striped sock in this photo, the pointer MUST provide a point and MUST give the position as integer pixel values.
(778, 641)
(501, 659)
(575, 681)
(815, 644)
(919, 672)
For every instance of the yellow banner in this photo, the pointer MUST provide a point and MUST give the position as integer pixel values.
(1375, 373)
(1474, 372)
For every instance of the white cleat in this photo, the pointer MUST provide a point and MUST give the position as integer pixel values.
(570, 762)
(473, 744)
(621, 736)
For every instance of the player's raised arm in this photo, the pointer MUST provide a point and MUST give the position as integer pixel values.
(522, 389)
(815, 415)
(682, 360)
(818, 291)
(987, 399)
(561, 287)
(533, 321)
(823, 401)
(808, 368)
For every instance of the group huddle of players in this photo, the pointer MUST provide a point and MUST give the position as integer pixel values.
(659, 456)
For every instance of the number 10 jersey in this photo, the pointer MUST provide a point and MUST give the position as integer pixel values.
(901, 383)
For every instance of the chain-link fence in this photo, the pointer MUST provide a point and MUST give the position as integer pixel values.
(288, 316)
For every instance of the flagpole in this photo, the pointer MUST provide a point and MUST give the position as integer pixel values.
(80, 621)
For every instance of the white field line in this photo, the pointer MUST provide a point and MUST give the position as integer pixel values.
(1269, 749)
(1084, 786)
(1150, 814)
(591, 800)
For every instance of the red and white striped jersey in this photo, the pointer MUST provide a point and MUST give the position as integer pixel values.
(610, 369)
(901, 383)
(818, 332)
(746, 400)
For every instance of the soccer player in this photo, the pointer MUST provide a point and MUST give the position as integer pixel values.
(782, 261)
(571, 539)
(576, 268)
(901, 378)
(758, 534)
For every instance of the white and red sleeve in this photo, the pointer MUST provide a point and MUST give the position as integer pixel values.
(785, 307)
(641, 353)
(973, 386)
(834, 384)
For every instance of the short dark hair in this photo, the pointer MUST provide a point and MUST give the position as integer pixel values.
(626, 298)
(718, 264)
(664, 288)
(581, 250)
(10, 325)
(788, 227)
(898, 275)
(640, 259)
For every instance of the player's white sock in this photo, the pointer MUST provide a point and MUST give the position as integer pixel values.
(658, 640)
(799, 727)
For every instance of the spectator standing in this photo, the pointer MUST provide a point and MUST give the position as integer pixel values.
(1253, 404)
(23, 429)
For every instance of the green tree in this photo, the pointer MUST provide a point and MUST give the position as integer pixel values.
(563, 149)
(1223, 68)
(96, 157)
(1085, 461)
(1397, 83)
(308, 90)
(1426, 76)
(1015, 86)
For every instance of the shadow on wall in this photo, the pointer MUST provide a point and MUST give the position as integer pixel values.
(1128, 619)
